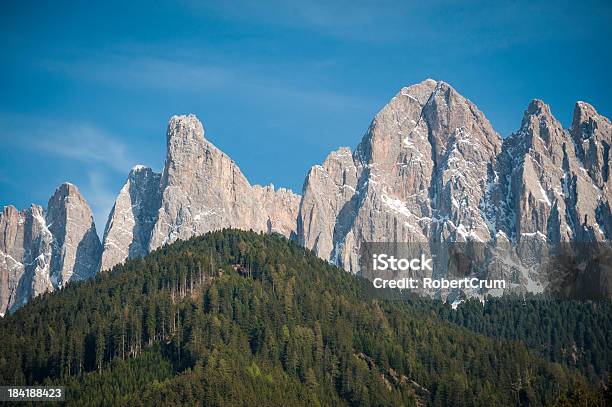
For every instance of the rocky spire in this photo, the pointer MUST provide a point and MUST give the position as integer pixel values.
(41, 251)
(592, 135)
(25, 255)
(76, 249)
(532, 177)
(555, 189)
(327, 190)
(129, 225)
(200, 189)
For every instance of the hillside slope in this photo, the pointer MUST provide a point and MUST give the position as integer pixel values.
(239, 318)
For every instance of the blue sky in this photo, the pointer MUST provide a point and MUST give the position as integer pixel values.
(86, 89)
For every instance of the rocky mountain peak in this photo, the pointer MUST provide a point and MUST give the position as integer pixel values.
(592, 137)
(142, 177)
(63, 191)
(339, 164)
(128, 229)
(186, 146)
(66, 197)
(201, 189)
(541, 132)
(537, 107)
(418, 174)
(583, 113)
(184, 130)
(139, 169)
(41, 251)
(452, 117)
(430, 112)
(420, 91)
(538, 114)
(189, 152)
(77, 249)
(587, 122)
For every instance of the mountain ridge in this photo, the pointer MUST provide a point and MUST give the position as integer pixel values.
(430, 167)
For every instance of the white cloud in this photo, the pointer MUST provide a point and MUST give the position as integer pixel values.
(79, 141)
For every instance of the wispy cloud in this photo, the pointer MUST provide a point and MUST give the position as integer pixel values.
(142, 71)
(475, 26)
(80, 141)
(178, 73)
(366, 21)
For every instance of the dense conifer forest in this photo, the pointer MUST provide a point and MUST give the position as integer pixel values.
(238, 318)
(577, 334)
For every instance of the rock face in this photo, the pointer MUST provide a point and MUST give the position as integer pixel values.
(280, 207)
(419, 174)
(546, 187)
(592, 137)
(200, 189)
(41, 251)
(128, 230)
(203, 190)
(430, 168)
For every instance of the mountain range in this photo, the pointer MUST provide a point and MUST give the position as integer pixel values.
(430, 168)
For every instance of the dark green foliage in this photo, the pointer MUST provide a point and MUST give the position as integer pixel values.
(120, 381)
(236, 318)
(577, 334)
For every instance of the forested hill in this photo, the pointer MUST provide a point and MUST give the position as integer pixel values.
(237, 318)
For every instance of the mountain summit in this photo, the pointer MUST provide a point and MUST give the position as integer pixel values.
(200, 189)
(419, 174)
